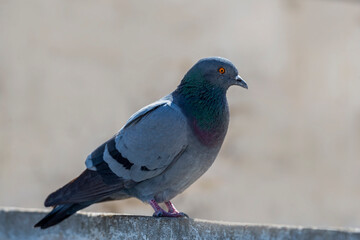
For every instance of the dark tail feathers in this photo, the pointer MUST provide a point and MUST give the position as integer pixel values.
(59, 213)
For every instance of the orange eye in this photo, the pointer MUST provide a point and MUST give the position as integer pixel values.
(221, 70)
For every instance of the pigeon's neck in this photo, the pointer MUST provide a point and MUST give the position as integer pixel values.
(207, 110)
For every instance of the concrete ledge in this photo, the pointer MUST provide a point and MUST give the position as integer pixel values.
(18, 223)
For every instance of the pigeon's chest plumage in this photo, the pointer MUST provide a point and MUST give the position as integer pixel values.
(208, 117)
(195, 161)
(214, 135)
(202, 148)
(192, 164)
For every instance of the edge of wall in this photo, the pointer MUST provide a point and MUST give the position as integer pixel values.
(17, 223)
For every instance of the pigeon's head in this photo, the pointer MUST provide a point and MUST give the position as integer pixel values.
(214, 71)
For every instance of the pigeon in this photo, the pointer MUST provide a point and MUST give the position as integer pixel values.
(160, 151)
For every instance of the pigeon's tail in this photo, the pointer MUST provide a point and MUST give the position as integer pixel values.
(79, 193)
(59, 213)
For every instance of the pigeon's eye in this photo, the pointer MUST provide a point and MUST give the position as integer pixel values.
(221, 70)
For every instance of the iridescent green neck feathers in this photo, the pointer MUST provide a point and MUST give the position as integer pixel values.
(206, 107)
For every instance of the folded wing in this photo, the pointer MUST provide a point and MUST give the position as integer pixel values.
(149, 142)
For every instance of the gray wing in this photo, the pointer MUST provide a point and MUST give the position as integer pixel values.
(148, 143)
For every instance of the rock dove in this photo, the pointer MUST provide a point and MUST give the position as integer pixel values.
(162, 149)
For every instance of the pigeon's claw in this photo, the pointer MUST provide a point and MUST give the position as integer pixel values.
(164, 213)
(173, 210)
(159, 212)
(184, 214)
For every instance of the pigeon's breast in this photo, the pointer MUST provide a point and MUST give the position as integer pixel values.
(211, 134)
(202, 147)
(192, 164)
(209, 137)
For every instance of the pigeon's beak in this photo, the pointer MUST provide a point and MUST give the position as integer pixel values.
(241, 82)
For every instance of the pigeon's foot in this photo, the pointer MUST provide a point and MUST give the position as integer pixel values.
(159, 212)
(164, 213)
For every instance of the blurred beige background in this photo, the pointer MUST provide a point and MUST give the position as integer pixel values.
(72, 72)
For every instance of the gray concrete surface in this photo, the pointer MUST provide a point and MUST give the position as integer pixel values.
(17, 223)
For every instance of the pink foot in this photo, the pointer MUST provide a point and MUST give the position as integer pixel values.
(159, 212)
